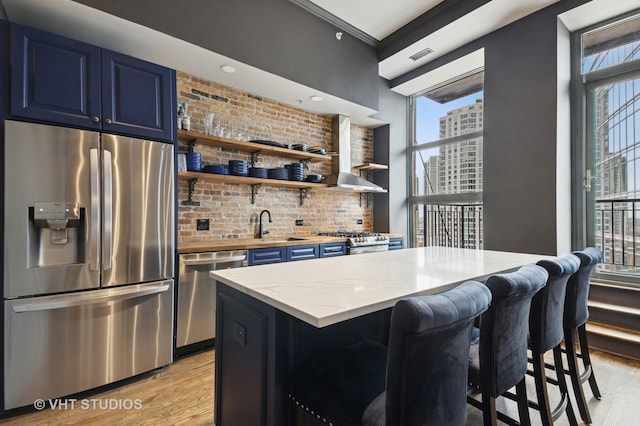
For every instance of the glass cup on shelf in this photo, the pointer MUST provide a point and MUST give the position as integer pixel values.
(227, 129)
(240, 131)
(208, 124)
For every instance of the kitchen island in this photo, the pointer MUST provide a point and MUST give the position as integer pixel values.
(271, 318)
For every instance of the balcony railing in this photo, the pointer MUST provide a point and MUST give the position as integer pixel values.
(451, 225)
(617, 234)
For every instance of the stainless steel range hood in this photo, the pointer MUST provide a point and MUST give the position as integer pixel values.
(341, 177)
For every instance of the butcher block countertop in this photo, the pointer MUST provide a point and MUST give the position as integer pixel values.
(253, 243)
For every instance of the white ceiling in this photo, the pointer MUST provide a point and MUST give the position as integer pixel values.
(375, 17)
(378, 18)
(487, 18)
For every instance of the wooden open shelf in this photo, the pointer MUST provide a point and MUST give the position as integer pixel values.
(245, 180)
(371, 167)
(252, 147)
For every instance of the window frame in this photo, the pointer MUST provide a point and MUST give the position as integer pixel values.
(582, 139)
(413, 148)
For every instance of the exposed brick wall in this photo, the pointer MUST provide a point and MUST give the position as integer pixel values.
(228, 207)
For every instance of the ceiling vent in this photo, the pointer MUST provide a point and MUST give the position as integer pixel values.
(421, 54)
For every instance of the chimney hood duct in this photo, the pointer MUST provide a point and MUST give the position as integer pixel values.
(341, 177)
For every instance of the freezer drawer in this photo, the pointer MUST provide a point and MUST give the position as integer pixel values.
(196, 318)
(63, 344)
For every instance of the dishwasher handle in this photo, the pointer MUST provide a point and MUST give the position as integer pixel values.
(193, 262)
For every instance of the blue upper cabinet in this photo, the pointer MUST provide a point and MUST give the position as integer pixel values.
(54, 78)
(137, 97)
(64, 81)
(4, 72)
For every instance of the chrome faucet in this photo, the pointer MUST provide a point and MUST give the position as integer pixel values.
(261, 230)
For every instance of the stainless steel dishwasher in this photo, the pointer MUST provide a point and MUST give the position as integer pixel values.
(197, 295)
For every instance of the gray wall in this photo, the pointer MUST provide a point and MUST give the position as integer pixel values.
(274, 35)
(520, 136)
(390, 210)
(521, 132)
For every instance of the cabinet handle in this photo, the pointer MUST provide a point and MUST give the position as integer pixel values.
(108, 121)
(95, 119)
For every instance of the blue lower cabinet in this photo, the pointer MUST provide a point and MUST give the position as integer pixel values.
(333, 249)
(396, 243)
(267, 255)
(263, 256)
(302, 252)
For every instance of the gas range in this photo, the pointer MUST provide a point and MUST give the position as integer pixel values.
(362, 242)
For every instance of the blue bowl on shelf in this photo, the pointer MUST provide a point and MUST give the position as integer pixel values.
(218, 169)
(239, 167)
(258, 172)
(279, 173)
(296, 171)
(194, 161)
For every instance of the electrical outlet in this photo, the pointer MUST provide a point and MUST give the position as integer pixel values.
(202, 224)
(359, 221)
(299, 222)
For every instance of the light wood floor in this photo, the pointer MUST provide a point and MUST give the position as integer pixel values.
(182, 394)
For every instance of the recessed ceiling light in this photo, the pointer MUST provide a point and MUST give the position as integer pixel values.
(229, 69)
(315, 98)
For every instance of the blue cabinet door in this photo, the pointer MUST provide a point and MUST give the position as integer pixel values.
(138, 97)
(4, 72)
(267, 255)
(304, 252)
(54, 79)
(333, 249)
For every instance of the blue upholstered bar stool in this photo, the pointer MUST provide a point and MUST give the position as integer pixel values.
(576, 313)
(498, 358)
(420, 379)
(546, 333)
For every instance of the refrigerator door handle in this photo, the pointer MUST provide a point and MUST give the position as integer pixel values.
(74, 300)
(94, 227)
(107, 241)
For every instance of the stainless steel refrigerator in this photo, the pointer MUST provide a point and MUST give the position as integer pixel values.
(88, 260)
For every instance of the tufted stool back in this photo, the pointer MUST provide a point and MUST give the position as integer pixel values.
(504, 327)
(576, 310)
(576, 313)
(547, 306)
(421, 378)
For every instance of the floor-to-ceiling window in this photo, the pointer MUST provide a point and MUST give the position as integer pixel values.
(610, 72)
(446, 193)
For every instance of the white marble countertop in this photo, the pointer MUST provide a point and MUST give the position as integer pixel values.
(325, 291)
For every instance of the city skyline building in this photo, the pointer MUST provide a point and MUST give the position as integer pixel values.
(457, 169)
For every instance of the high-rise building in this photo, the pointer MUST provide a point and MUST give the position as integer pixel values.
(460, 163)
(456, 169)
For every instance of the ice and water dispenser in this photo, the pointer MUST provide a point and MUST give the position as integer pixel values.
(56, 234)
